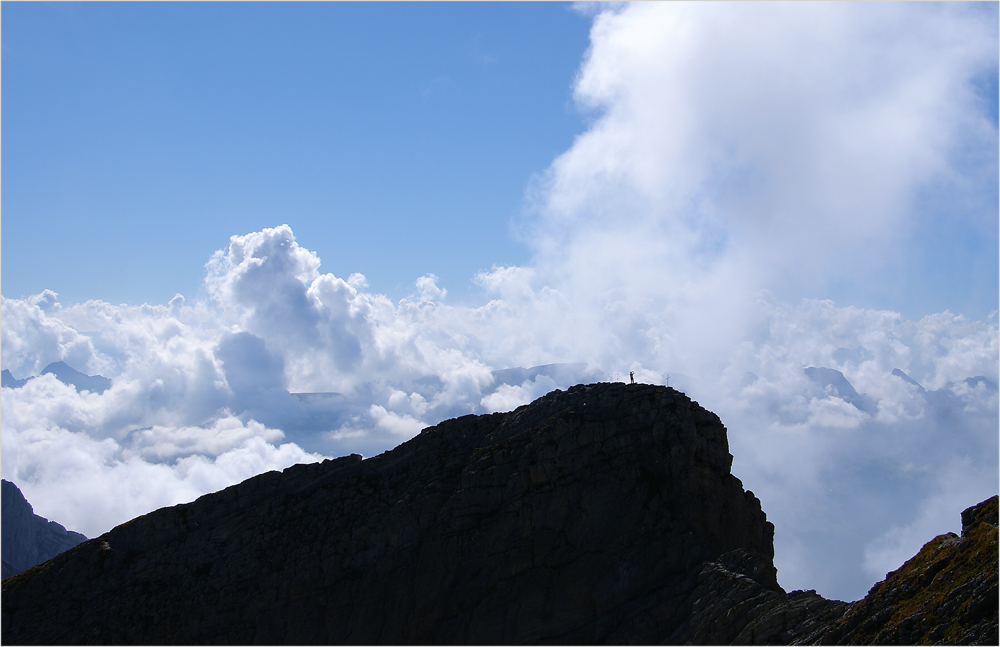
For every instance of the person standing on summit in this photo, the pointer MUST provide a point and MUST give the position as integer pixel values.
(631, 377)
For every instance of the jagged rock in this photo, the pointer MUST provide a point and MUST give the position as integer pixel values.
(603, 514)
(735, 603)
(28, 539)
(945, 594)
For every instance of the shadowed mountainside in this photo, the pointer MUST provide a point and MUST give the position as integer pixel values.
(28, 539)
(946, 594)
(603, 514)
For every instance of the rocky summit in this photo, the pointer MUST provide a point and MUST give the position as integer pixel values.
(603, 514)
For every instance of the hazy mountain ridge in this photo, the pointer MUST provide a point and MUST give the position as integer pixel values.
(836, 384)
(65, 374)
(603, 514)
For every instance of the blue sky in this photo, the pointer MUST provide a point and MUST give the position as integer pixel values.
(396, 140)
(392, 203)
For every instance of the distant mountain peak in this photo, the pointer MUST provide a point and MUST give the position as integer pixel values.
(906, 378)
(841, 388)
(65, 374)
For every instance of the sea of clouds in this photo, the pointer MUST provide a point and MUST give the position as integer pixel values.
(720, 186)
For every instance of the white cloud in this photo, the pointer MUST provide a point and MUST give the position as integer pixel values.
(30, 340)
(404, 426)
(429, 290)
(159, 443)
(508, 397)
(750, 146)
(90, 485)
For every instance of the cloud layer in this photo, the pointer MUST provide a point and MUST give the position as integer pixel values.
(692, 233)
(858, 463)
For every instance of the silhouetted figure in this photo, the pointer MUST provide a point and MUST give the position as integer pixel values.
(631, 377)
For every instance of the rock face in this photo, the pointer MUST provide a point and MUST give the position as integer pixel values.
(946, 594)
(603, 514)
(28, 539)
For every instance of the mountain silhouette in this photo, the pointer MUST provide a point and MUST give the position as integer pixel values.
(606, 513)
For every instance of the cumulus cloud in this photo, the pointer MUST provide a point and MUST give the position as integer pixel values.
(30, 340)
(509, 397)
(203, 393)
(403, 425)
(775, 147)
(741, 160)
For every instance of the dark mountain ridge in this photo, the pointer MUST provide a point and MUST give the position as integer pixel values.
(602, 514)
(28, 539)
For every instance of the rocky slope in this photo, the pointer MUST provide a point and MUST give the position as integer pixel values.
(603, 514)
(28, 539)
(946, 594)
